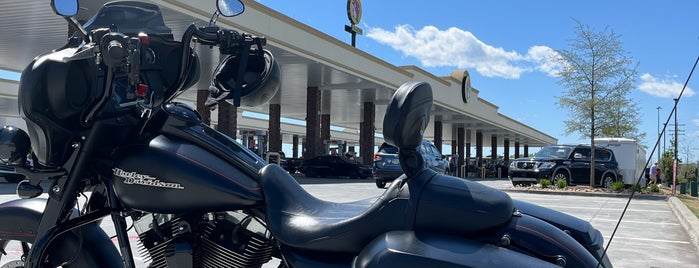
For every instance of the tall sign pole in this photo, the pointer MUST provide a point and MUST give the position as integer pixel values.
(354, 14)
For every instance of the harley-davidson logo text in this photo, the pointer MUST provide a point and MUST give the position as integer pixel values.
(131, 177)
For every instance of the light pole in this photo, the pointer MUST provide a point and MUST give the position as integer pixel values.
(675, 162)
(664, 136)
(658, 141)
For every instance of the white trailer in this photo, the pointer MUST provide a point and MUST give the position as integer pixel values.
(630, 155)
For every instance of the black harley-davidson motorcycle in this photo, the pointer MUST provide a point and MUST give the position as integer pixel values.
(106, 139)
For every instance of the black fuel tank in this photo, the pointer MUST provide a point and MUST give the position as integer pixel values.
(170, 175)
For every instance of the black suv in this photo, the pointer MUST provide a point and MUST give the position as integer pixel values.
(570, 163)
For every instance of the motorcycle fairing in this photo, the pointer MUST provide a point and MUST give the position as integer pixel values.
(21, 220)
(130, 17)
(54, 89)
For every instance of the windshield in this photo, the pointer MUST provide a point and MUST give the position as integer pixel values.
(553, 152)
(131, 17)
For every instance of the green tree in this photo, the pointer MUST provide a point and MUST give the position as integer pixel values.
(598, 76)
(619, 119)
(665, 166)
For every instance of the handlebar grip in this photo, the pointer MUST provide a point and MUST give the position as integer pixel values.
(262, 40)
(116, 50)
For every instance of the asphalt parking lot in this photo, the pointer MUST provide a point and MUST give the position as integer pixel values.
(650, 235)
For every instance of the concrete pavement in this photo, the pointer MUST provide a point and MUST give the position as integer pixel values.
(654, 232)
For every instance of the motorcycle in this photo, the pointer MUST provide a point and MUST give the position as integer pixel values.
(106, 137)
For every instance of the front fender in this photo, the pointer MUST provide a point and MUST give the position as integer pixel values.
(19, 220)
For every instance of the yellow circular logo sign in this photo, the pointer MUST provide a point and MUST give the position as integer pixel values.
(354, 11)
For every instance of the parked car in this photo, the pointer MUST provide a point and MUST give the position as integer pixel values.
(291, 164)
(386, 165)
(333, 166)
(569, 163)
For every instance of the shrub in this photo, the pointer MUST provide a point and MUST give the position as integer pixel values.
(561, 184)
(617, 186)
(653, 188)
(545, 183)
(636, 187)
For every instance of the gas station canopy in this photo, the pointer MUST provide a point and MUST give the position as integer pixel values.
(346, 76)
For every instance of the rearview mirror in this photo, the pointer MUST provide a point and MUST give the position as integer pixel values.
(65, 8)
(230, 8)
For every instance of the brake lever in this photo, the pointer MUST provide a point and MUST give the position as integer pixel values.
(134, 58)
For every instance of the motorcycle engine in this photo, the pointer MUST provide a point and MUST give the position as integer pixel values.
(222, 239)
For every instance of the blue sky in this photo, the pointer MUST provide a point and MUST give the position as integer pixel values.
(502, 44)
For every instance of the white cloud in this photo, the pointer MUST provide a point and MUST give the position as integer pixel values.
(545, 59)
(663, 87)
(454, 47)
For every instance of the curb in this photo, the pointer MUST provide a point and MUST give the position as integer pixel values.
(618, 195)
(687, 219)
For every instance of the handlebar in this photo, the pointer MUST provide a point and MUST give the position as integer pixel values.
(121, 53)
(228, 41)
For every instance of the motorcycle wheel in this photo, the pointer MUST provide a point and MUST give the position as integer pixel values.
(18, 251)
(13, 253)
(85, 246)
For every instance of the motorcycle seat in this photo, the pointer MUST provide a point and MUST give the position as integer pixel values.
(300, 220)
(471, 207)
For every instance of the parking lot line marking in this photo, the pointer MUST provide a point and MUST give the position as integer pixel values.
(642, 222)
(606, 238)
(633, 202)
(613, 209)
